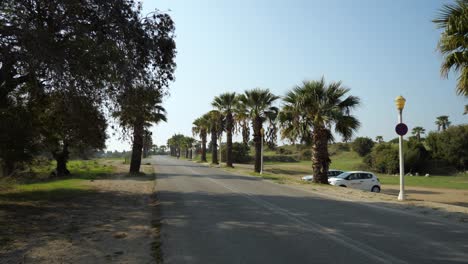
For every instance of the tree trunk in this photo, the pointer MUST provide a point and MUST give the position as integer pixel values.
(203, 150)
(7, 167)
(186, 152)
(320, 157)
(214, 145)
(62, 158)
(137, 147)
(229, 126)
(257, 126)
(191, 154)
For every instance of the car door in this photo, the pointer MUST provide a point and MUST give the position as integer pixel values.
(370, 181)
(354, 181)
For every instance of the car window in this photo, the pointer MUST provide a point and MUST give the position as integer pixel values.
(353, 176)
(369, 176)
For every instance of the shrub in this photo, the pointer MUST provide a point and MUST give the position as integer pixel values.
(280, 158)
(305, 154)
(283, 151)
(240, 153)
(363, 145)
(450, 145)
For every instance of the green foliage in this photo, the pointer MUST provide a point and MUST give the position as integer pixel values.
(362, 145)
(453, 43)
(283, 151)
(450, 145)
(383, 158)
(305, 154)
(240, 153)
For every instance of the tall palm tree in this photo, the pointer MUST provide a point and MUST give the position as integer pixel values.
(453, 43)
(215, 119)
(200, 127)
(226, 103)
(418, 131)
(442, 122)
(242, 121)
(322, 107)
(258, 103)
(379, 139)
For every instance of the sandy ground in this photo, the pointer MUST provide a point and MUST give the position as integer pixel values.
(112, 223)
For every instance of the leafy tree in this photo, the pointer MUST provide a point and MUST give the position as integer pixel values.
(453, 43)
(442, 122)
(226, 103)
(450, 145)
(200, 127)
(259, 106)
(138, 108)
(71, 121)
(95, 49)
(322, 106)
(418, 131)
(240, 152)
(362, 145)
(379, 139)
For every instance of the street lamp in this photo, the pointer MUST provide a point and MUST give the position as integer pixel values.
(262, 132)
(401, 130)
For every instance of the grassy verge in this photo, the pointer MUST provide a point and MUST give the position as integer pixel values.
(451, 182)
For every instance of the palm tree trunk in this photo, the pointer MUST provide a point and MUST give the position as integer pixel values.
(137, 147)
(257, 126)
(320, 156)
(229, 125)
(214, 145)
(203, 153)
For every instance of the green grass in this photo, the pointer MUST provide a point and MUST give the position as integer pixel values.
(450, 182)
(38, 187)
(81, 168)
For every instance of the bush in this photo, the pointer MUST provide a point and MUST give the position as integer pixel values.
(240, 153)
(363, 145)
(283, 151)
(305, 154)
(280, 158)
(450, 145)
(383, 158)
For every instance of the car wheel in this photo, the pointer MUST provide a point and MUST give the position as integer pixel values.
(342, 185)
(375, 189)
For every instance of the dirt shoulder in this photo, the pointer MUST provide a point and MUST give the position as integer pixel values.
(109, 222)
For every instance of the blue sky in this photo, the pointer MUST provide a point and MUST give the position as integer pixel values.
(378, 49)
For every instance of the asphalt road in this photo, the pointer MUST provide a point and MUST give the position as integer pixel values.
(212, 216)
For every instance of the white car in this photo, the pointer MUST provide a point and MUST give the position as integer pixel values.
(362, 180)
(331, 173)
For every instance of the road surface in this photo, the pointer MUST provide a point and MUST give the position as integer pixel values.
(213, 216)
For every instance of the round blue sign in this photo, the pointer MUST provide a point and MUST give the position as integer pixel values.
(401, 129)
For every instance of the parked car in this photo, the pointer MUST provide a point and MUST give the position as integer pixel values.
(331, 173)
(362, 180)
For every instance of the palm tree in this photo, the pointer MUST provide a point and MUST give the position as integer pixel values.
(258, 104)
(322, 107)
(200, 127)
(453, 43)
(215, 119)
(226, 103)
(242, 121)
(417, 131)
(442, 122)
(379, 139)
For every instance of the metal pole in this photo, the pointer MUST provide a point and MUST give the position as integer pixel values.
(261, 159)
(219, 161)
(401, 196)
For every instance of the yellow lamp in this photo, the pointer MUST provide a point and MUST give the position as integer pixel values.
(400, 102)
(262, 131)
